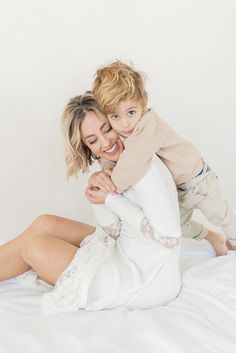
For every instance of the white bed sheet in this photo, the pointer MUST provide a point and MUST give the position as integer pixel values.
(202, 319)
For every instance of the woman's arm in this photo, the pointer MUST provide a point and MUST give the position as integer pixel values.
(104, 217)
(133, 215)
(118, 208)
(130, 214)
(134, 220)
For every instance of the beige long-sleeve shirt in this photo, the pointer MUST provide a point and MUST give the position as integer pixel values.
(152, 135)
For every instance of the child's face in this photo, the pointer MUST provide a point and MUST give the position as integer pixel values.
(126, 116)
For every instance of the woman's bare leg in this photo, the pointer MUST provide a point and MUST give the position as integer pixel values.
(11, 260)
(48, 256)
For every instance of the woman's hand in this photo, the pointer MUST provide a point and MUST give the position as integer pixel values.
(102, 180)
(96, 195)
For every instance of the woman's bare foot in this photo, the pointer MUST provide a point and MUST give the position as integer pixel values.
(220, 244)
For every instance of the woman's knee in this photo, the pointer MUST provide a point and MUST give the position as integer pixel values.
(44, 224)
(34, 249)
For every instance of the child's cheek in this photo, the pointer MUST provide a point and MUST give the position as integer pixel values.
(115, 126)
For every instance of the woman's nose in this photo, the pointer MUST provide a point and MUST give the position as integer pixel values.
(105, 142)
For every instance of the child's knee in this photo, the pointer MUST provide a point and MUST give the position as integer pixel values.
(194, 230)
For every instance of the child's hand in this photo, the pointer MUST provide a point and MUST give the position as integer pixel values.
(102, 180)
(95, 195)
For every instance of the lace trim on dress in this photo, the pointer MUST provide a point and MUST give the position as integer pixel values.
(146, 227)
(169, 242)
(71, 289)
(113, 230)
(166, 241)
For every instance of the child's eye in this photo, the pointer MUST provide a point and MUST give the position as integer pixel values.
(115, 117)
(131, 112)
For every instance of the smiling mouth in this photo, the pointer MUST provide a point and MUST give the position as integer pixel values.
(112, 149)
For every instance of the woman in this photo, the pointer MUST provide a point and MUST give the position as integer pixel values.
(131, 259)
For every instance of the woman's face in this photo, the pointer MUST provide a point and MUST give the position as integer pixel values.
(101, 139)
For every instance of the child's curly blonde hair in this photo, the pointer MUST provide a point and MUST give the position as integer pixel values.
(118, 82)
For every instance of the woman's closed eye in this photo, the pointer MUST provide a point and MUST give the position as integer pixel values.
(105, 130)
(108, 129)
(91, 142)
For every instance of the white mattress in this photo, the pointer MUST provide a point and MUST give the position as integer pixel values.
(201, 319)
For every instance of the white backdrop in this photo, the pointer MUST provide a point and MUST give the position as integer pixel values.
(49, 52)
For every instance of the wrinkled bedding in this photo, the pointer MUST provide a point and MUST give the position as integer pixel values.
(201, 319)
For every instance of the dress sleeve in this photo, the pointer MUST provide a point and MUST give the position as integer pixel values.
(107, 220)
(145, 141)
(130, 214)
(133, 216)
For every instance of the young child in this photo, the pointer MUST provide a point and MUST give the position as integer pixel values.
(120, 92)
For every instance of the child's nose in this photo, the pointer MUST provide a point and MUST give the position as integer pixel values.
(125, 123)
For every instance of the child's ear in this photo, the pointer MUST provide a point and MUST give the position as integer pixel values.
(144, 105)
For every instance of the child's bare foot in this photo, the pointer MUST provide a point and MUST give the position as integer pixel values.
(230, 245)
(219, 243)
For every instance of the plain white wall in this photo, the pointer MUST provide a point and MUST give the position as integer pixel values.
(49, 52)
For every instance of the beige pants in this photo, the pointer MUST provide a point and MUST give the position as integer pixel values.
(203, 193)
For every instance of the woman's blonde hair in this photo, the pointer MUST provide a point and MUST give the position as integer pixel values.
(118, 82)
(78, 155)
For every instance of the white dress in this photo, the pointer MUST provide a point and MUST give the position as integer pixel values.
(132, 259)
